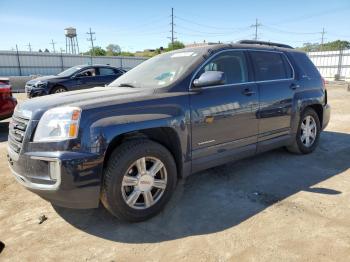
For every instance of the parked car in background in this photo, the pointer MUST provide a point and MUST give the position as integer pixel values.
(7, 101)
(180, 112)
(74, 78)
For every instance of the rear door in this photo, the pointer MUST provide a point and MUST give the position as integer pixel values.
(275, 78)
(108, 75)
(223, 117)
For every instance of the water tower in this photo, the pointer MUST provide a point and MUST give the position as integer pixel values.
(72, 46)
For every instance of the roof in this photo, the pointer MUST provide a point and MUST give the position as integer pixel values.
(219, 47)
(104, 65)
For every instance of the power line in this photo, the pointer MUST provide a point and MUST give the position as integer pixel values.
(53, 45)
(274, 29)
(208, 26)
(256, 25)
(213, 33)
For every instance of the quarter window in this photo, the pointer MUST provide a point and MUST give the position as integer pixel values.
(270, 66)
(232, 63)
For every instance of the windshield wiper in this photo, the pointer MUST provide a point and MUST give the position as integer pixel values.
(126, 85)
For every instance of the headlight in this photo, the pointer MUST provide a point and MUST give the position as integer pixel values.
(57, 124)
(40, 84)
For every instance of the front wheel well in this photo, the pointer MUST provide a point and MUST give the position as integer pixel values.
(53, 88)
(165, 136)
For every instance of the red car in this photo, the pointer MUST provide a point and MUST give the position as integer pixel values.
(7, 101)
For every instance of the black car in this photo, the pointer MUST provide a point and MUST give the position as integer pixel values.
(127, 144)
(74, 78)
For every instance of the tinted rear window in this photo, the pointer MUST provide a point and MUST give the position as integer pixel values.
(308, 69)
(270, 66)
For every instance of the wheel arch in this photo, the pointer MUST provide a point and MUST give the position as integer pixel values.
(54, 86)
(166, 136)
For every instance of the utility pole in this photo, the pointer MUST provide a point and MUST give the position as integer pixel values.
(91, 39)
(18, 62)
(29, 47)
(256, 25)
(53, 45)
(322, 38)
(172, 38)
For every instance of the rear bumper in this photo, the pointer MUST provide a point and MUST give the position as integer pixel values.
(67, 179)
(326, 115)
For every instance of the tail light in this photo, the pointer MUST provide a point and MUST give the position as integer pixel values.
(5, 89)
(325, 90)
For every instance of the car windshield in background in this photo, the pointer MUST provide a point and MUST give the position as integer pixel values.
(159, 71)
(69, 71)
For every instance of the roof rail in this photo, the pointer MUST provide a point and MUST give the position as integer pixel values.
(255, 42)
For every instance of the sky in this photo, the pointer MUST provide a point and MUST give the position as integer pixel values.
(139, 25)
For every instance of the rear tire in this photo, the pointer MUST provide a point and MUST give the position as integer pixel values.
(129, 190)
(308, 133)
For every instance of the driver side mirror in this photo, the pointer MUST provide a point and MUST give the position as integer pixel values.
(210, 78)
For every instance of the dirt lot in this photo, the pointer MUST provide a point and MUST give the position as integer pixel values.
(274, 207)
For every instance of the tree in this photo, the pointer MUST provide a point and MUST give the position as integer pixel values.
(113, 50)
(176, 45)
(330, 46)
(98, 51)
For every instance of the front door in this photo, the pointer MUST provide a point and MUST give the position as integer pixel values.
(223, 117)
(86, 79)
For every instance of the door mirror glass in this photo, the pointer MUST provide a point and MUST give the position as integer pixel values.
(210, 78)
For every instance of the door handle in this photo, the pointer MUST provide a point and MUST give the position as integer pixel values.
(294, 86)
(248, 92)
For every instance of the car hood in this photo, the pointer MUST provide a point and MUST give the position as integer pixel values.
(43, 78)
(89, 98)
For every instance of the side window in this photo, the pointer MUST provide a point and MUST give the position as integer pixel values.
(232, 63)
(106, 71)
(269, 66)
(87, 72)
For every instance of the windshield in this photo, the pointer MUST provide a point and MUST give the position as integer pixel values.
(159, 71)
(69, 71)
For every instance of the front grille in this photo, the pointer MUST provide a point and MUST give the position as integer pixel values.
(17, 130)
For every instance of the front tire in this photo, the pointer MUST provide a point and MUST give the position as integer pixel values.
(308, 133)
(58, 89)
(139, 180)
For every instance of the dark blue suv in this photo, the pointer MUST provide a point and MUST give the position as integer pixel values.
(74, 78)
(127, 144)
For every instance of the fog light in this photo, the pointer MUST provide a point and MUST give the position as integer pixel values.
(54, 169)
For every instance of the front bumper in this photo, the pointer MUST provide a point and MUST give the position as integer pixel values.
(33, 91)
(326, 115)
(68, 179)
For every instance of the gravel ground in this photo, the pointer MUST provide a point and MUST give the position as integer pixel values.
(273, 207)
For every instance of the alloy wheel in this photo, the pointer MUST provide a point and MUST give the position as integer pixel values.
(144, 183)
(308, 131)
